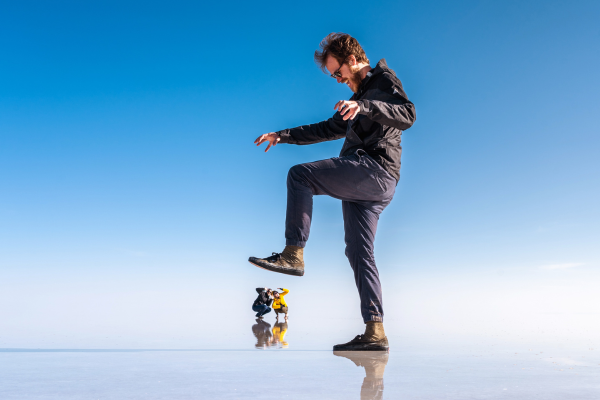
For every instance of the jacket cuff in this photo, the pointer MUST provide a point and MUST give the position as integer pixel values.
(365, 107)
(285, 136)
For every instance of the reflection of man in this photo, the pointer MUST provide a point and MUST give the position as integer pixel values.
(262, 331)
(364, 176)
(262, 302)
(374, 363)
(279, 331)
(279, 304)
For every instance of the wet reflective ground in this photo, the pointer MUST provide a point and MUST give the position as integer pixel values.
(407, 372)
(248, 358)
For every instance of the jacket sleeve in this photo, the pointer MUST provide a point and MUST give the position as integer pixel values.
(259, 290)
(282, 296)
(332, 129)
(390, 106)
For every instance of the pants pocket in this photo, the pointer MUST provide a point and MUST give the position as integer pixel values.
(380, 182)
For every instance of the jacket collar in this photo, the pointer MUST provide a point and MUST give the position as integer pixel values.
(380, 68)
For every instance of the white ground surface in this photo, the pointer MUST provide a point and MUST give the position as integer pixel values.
(416, 368)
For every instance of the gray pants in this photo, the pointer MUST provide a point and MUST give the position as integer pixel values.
(365, 189)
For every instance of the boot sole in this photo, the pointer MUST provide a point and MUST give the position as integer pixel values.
(361, 347)
(275, 268)
(375, 348)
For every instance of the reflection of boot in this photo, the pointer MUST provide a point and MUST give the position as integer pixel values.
(374, 339)
(374, 363)
(290, 261)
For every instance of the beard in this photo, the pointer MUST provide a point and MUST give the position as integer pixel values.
(354, 80)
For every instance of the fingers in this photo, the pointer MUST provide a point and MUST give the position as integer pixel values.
(273, 140)
(271, 137)
(260, 139)
(351, 114)
(342, 106)
(348, 109)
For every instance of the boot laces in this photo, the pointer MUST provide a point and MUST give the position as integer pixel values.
(274, 257)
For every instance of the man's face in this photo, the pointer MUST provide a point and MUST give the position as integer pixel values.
(350, 74)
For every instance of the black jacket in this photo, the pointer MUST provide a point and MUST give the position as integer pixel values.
(385, 112)
(263, 298)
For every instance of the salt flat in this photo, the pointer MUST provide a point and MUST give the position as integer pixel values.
(409, 371)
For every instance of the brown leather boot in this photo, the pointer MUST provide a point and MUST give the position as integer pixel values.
(373, 339)
(374, 331)
(290, 261)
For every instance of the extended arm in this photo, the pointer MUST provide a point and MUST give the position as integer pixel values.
(331, 129)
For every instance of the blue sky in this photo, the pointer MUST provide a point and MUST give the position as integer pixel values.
(127, 164)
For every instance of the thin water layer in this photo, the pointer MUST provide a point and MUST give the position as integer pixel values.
(409, 372)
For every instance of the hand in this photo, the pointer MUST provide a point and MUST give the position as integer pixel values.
(271, 137)
(349, 109)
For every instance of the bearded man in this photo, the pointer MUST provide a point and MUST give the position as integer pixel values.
(363, 177)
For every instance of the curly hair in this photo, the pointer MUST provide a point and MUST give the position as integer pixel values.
(340, 46)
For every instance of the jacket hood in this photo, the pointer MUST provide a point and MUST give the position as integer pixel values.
(379, 69)
(382, 67)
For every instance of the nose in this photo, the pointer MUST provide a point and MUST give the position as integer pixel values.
(339, 80)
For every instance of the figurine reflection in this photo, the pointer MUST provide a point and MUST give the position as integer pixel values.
(374, 363)
(267, 338)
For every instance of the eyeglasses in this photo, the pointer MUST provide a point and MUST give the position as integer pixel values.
(337, 73)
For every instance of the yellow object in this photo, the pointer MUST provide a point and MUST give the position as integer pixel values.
(278, 303)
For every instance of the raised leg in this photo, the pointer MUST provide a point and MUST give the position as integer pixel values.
(356, 178)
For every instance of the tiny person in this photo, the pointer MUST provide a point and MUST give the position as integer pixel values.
(279, 304)
(262, 302)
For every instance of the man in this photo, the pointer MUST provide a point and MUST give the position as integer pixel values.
(364, 176)
(262, 302)
(279, 304)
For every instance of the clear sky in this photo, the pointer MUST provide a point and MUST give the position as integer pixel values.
(131, 193)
